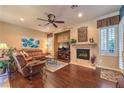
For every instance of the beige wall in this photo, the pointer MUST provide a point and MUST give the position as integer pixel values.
(12, 35)
(92, 33)
(104, 61)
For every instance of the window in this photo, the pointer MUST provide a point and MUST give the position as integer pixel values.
(108, 40)
(121, 44)
(49, 44)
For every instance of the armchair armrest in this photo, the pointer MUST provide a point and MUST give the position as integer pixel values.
(32, 67)
(35, 62)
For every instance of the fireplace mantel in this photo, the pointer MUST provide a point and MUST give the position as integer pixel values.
(85, 44)
(82, 62)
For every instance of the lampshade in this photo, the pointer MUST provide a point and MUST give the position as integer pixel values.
(3, 46)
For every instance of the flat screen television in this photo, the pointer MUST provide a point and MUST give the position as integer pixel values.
(64, 45)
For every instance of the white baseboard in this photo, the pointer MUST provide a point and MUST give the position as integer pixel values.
(115, 69)
(104, 67)
(108, 68)
(84, 65)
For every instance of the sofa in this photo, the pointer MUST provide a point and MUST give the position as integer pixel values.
(36, 54)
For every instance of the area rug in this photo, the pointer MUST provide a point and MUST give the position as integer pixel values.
(55, 67)
(109, 75)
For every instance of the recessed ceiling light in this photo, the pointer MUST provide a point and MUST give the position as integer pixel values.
(80, 15)
(22, 19)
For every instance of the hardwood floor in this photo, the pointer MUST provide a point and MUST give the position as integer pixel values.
(71, 76)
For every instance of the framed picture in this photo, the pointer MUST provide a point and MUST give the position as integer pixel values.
(30, 42)
(82, 34)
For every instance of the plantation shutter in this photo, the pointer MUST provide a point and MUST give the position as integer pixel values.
(121, 40)
(103, 40)
(111, 39)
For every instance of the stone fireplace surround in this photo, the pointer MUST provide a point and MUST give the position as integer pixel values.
(82, 62)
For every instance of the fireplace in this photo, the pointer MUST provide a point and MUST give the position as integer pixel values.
(83, 54)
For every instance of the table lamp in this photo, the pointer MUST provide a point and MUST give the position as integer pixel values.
(3, 46)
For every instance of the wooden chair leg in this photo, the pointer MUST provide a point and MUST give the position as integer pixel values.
(117, 85)
(43, 73)
(30, 76)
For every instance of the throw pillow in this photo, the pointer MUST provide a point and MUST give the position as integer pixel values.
(26, 54)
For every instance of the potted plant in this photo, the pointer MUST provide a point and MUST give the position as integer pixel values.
(73, 41)
(93, 59)
(9, 53)
(2, 67)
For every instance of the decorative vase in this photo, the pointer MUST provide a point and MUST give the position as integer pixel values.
(93, 59)
(92, 64)
(91, 40)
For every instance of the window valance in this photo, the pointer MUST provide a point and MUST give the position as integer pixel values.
(108, 21)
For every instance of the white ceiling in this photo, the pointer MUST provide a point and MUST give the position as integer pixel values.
(12, 14)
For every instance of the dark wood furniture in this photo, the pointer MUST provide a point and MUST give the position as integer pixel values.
(61, 39)
(64, 54)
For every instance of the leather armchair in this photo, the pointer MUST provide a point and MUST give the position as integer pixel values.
(28, 69)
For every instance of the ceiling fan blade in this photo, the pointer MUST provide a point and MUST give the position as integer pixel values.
(46, 24)
(46, 13)
(42, 19)
(54, 25)
(59, 21)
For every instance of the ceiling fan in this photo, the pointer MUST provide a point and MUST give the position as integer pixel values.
(51, 20)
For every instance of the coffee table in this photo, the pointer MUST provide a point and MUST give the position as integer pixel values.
(51, 60)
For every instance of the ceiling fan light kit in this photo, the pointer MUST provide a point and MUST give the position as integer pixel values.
(51, 20)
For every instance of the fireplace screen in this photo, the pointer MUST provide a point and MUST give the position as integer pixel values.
(83, 54)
